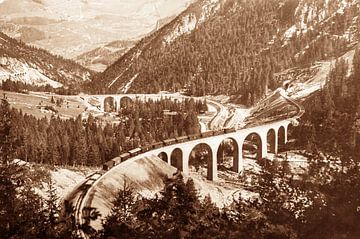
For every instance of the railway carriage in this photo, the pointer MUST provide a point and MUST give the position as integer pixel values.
(108, 165)
(182, 139)
(207, 134)
(124, 156)
(169, 141)
(134, 152)
(229, 130)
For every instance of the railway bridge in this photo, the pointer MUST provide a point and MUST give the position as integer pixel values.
(117, 101)
(267, 139)
(179, 152)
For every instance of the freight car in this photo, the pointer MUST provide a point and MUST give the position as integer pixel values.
(182, 139)
(218, 132)
(229, 130)
(108, 165)
(157, 145)
(207, 134)
(169, 141)
(194, 136)
(146, 148)
(134, 152)
(117, 160)
(124, 156)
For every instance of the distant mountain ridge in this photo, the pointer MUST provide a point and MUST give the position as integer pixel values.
(101, 57)
(19, 61)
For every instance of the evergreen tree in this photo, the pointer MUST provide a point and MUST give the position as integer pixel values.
(121, 221)
(7, 141)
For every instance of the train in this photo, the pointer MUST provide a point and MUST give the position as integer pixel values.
(182, 139)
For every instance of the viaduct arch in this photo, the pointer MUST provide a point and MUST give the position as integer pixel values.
(259, 140)
(116, 102)
(280, 128)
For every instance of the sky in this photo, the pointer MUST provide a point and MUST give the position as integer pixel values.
(89, 8)
(130, 8)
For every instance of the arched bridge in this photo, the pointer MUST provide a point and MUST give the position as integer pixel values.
(117, 101)
(178, 152)
(262, 139)
(267, 139)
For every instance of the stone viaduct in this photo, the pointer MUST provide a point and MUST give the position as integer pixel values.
(118, 100)
(269, 137)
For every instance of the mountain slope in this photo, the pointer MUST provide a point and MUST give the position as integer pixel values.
(234, 47)
(32, 65)
(101, 57)
(70, 28)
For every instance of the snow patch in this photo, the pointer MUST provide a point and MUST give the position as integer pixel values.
(126, 88)
(301, 90)
(309, 14)
(211, 7)
(290, 32)
(135, 56)
(188, 24)
(15, 70)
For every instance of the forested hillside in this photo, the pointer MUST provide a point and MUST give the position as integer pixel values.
(233, 47)
(331, 122)
(53, 67)
(321, 202)
(90, 142)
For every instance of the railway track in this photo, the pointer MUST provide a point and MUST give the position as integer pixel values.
(76, 198)
(83, 191)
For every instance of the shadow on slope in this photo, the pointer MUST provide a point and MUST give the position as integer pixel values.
(145, 175)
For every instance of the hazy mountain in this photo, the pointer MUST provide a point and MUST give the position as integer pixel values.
(31, 65)
(102, 57)
(234, 47)
(72, 27)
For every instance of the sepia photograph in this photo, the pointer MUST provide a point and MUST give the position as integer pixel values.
(179, 119)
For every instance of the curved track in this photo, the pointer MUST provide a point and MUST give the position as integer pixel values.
(81, 193)
(76, 198)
